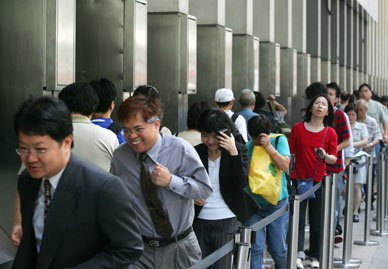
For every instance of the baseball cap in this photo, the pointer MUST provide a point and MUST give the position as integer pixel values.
(224, 95)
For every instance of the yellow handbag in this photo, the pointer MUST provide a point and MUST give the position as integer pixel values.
(265, 178)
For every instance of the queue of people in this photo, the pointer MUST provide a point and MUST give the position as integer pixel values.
(93, 192)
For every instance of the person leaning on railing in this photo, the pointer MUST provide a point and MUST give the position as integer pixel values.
(275, 233)
(314, 144)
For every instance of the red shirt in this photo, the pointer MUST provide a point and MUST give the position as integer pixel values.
(342, 129)
(302, 144)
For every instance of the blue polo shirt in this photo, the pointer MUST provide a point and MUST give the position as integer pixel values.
(105, 123)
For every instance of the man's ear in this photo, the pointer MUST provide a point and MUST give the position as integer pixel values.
(67, 142)
(157, 124)
(112, 106)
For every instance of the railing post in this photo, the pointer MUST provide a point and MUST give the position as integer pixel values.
(347, 261)
(380, 212)
(242, 255)
(293, 231)
(367, 241)
(325, 219)
(229, 256)
(245, 240)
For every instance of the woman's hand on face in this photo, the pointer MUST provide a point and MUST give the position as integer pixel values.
(264, 140)
(228, 143)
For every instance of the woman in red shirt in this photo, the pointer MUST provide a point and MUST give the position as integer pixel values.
(313, 144)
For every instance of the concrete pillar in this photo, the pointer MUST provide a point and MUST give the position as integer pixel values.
(314, 38)
(342, 44)
(172, 61)
(288, 56)
(356, 44)
(214, 49)
(350, 45)
(245, 70)
(264, 28)
(326, 9)
(334, 38)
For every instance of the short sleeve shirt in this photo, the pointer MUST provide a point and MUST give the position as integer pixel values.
(359, 131)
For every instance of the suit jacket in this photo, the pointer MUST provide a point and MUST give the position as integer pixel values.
(233, 177)
(90, 224)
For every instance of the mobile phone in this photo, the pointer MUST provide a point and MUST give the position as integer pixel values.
(225, 131)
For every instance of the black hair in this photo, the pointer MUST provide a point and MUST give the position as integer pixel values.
(44, 116)
(345, 96)
(315, 89)
(79, 97)
(213, 119)
(335, 86)
(259, 125)
(329, 119)
(366, 85)
(223, 104)
(350, 107)
(106, 92)
(147, 90)
(260, 100)
(384, 99)
(194, 112)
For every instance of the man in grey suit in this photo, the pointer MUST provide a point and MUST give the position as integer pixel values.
(74, 214)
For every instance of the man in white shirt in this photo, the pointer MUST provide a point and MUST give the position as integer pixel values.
(224, 99)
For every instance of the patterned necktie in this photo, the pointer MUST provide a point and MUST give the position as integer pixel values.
(158, 216)
(47, 197)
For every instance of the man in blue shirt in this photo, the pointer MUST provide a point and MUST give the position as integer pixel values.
(247, 101)
(106, 92)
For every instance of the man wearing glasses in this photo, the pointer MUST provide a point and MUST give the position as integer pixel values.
(164, 175)
(74, 214)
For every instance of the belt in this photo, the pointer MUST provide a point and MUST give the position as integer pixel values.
(161, 242)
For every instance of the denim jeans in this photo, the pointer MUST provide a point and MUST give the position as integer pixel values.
(340, 187)
(276, 236)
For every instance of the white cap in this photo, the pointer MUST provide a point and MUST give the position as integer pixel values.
(224, 95)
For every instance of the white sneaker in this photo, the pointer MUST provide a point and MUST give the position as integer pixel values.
(299, 263)
(315, 264)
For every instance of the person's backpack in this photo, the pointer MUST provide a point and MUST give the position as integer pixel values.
(238, 137)
(115, 127)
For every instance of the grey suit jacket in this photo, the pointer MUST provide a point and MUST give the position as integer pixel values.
(91, 223)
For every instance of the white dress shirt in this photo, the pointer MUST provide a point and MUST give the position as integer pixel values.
(38, 218)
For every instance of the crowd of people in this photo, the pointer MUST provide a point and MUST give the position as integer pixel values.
(97, 193)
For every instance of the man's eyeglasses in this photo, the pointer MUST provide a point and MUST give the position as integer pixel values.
(39, 152)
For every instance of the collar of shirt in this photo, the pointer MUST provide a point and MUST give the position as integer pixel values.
(54, 180)
(153, 152)
(102, 119)
(80, 119)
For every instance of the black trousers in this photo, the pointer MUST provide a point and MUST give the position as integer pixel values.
(211, 235)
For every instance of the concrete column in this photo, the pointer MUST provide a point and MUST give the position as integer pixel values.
(342, 44)
(326, 9)
(350, 45)
(334, 38)
(172, 61)
(314, 38)
(214, 49)
(288, 56)
(299, 25)
(264, 20)
(356, 44)
(264, 28)
(245, 70)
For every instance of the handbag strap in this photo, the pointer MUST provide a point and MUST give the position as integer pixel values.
(316, 164)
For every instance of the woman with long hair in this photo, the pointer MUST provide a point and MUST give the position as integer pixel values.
(314, 144)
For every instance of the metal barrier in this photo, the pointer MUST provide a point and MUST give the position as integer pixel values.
(381, 196)
(347, 261)
(368, 206)
(241, 241)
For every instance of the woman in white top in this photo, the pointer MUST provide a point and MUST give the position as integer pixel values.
(226, 162)
(360, 139)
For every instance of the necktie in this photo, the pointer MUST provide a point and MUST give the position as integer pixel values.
(47, 197)
(158, 216)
